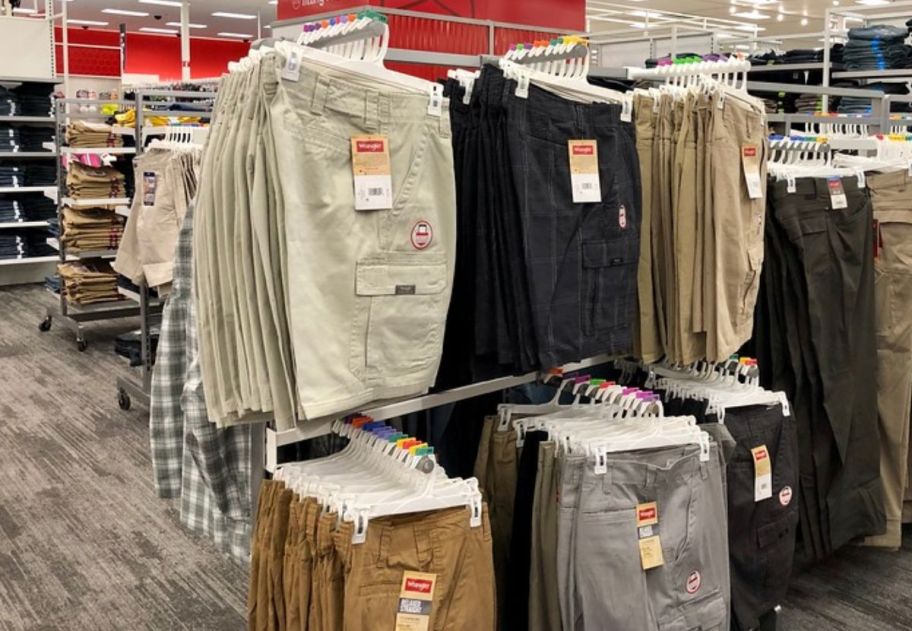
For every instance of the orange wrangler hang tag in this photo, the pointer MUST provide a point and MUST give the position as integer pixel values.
(415, 600)
(372, 173)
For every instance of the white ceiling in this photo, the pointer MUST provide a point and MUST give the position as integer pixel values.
(782, 17)
(200, 13)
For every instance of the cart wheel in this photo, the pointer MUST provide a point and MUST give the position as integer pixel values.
(45, 325)
(123, 399)
(81, 345)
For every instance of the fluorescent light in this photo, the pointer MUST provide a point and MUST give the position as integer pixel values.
(726, 36)
(239, 35)
(780, 17)
(153, 29)
(646, 14)
(638, 24)
(804, 21)
(138, 14)
(874, 3)
(732, 9)
(267, 26)
(25, 10)
(189, 24)
(164, 3)
(752, 15)
(239, 16)
(742, 46)
(87, 22)
(273, 1)
(749, 28)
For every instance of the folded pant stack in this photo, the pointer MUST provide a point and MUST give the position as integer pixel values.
(12, 176)
(91, 135)
(26, 100)
(129, 345)
(91, 229)
(26, 208)
(88, 282)
(878, 47)
(94, 183)
(13, 247)
(40, 175)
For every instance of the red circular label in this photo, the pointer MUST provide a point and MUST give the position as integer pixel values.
(422, 234)
(785, 495)
(694, 581)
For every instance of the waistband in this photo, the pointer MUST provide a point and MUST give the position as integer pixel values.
(807, 188)
(896, 181)
(325, 88)
(758, 421)
(650, 468)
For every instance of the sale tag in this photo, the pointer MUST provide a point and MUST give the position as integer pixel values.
(584, 172)
(837, 193)
(651, 552)
(763, 473)
(750, 163)
(372, 172)
(647, 523)
(415, 600)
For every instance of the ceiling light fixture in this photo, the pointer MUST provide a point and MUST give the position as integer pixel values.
(163, 3)
(191, 25)
(750, 28)
(238, 35)
(25, 10)
(874, 3)
(804, 21)
(780, 17)
(752, 15)
(238, 16)
(163, 31)
(732, 9)
(87, 22)
(137, 14)
(638, 24)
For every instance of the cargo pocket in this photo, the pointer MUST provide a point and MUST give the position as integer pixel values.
(706, 613)
(609, 277)
(776, 542)
(406, 312)
(752, 280)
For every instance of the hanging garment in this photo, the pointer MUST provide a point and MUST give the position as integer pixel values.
(815, 339)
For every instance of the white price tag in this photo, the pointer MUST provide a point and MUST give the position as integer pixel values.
(371, 170)
(292, 69)
(763, 473)
(584, 171)
(838, 199)
(750, 163)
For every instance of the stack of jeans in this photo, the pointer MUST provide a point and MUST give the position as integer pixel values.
(878, 47)
(36, 207)
(9, 139)
(129, 345)
(11, 210)
(33, 138)
(35, 99)
(13, 246)
(40, 175)
(12, 176)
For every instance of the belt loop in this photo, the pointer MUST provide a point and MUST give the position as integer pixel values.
(371, 110)
(385, 536)
(704, 470)
(423, 546)
(444, 122)
(384, 110)
(607, 482)
(650, 477)
(321, 92)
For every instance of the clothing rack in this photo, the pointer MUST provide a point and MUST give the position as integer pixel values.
(73, 315)
(130, 386)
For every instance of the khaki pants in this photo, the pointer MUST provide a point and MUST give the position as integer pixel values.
(891, 196)
(258, 593)
(496, 469)
(689, 346)
(648, 340)
(441, 543)
(738, 224)
(544, 603)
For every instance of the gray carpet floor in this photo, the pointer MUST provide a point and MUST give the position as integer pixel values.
(86, 544)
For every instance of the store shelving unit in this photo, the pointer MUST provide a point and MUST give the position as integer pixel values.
(74, 315)
(28, 269)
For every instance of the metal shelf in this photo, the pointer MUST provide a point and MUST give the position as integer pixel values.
(114, 151)
(94, 202)
(29, 189)
(24, 224)
(30, 260)
(817, 65)
(28, 154)
(874, 75)
(31, 80)
(761, 86)
(46, 120)
(391, 409)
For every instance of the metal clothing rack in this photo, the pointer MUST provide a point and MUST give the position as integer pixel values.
(132, 387)
(74, 315)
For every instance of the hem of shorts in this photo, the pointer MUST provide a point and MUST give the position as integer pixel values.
(351, 403)
(891, 539)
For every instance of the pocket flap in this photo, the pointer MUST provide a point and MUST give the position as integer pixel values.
(405, 276)
(708, 612)
(609, 253)
(893, 216)
(771, 533)
(813, 225)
